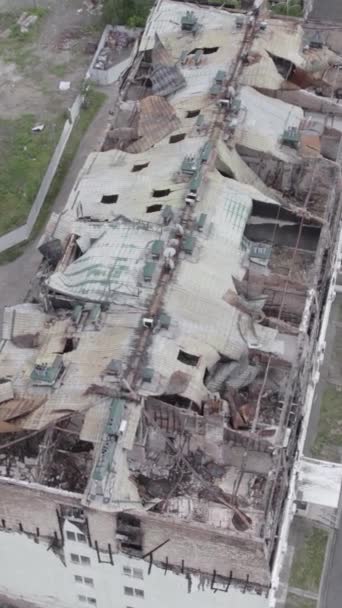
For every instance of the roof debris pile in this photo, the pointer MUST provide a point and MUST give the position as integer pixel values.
(117, 40)
(162, 360)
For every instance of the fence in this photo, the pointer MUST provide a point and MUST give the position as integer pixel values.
(22, 233)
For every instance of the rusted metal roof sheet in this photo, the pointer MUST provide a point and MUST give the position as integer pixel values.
(6, 391)
(16, 408)
(155, 119)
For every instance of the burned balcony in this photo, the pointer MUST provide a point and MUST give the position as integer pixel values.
(129, 533)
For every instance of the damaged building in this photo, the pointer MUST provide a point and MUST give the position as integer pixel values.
(152, 385)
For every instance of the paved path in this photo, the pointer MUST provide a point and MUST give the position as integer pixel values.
(307, 594)
(331, 584)
(15, 277)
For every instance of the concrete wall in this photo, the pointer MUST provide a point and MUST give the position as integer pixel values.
(28, 571)
(33, 570)
(106, 77)
(201, 550)
(22, 233)
(317, 359)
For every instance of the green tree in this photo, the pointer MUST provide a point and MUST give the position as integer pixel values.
(126, 12)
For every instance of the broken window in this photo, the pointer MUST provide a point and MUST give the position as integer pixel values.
(206, 50)
(178, 137)
(139, 167)
(75, 558)
(138, 593)
(89, 581)
(71, 535)
(161, 193)
(138, 573)
(153, 208)
(109, 199)
(192, 113)
(187, 358)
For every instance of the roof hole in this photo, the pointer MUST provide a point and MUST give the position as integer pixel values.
(109, 199)
(139, 167)
(192, 113)
(187, 358)
(69, 345)
(161, 193)
(174, 138)
(206, 50)
(226, 174)
(241, 521)
(153, 208)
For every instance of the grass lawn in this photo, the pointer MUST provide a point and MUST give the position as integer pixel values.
(96, 99)
(25, 155)
(293, 601)
(23, 165)
(15, 46)
(308, 560)
(329, 435)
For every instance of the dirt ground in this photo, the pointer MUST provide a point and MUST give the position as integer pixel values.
(58, 48)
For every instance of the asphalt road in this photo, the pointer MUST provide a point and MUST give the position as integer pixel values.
(330, 10)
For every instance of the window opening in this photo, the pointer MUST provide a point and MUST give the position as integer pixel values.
(138, 573)
(89, 581)
(75, 558)
(139, 593)
(71, 535)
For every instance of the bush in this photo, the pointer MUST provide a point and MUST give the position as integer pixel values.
(126, 12)
(293, 8)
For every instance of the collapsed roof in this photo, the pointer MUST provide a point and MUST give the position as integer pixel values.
(170, 308)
